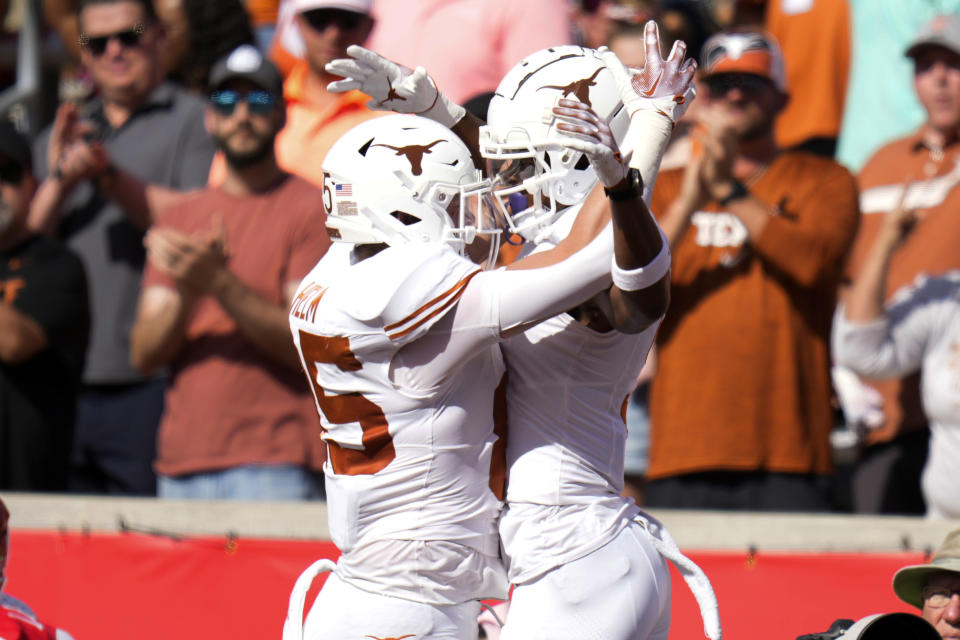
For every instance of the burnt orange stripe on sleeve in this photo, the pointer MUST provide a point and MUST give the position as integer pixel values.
(453, 293)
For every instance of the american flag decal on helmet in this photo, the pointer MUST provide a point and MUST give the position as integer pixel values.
(344, 190)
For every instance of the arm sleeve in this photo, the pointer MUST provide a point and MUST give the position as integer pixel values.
(809, 245)
(892, 346)
(495, 302)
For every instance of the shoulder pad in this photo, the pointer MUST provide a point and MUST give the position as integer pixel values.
(409, 287)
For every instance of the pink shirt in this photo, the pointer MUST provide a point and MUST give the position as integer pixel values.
(467, 45)
(227, 404)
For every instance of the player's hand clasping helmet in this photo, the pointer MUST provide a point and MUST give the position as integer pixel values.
(520, 138)
(401, 179)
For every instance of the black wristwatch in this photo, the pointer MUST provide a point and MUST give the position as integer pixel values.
(738, 191)
(633, 189)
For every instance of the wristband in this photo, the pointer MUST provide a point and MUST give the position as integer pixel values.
(738, 191)
(645, 276)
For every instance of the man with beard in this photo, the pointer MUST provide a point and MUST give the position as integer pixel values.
(222, 267)
(740, 404)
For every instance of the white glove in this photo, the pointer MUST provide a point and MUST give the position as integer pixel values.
(392, 87)
(655, 97)
(862, 405)
(583, 130)
(663, 86)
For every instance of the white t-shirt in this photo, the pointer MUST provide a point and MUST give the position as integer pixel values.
(920, 331)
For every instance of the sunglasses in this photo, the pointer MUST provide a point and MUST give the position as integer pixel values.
(320, 19)
(11, 173)
(98, 44)
(260, 103)
(720, 84)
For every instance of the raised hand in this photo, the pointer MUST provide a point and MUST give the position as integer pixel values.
(191, 260)
(71, 155)
(899, 222)
(664, 86)
(590, 134)
(655, 97)
(717, 140)
(392, 87)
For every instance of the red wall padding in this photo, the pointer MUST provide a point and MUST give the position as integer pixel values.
(123, 586)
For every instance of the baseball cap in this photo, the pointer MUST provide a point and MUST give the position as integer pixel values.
(357, 6)
(908, 582)
(942, 31)
(744, 52)
(247, 63)
(14, 145)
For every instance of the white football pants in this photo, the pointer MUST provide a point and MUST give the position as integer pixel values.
(621, 591)
(343, 612)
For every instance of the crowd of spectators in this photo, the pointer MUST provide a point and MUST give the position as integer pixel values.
(189, 191)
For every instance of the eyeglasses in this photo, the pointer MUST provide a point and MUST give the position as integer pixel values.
(98, 44)
(260, 103)
(11, 173)
(938, 597)
(320, 19)
(721, 83)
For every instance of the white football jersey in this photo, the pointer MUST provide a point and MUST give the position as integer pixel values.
(406, 466)
(566, 390)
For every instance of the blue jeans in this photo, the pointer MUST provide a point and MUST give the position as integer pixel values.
(249, 482)
(116, 439)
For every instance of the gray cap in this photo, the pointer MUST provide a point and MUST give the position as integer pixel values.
(942, 31)
(246, 63)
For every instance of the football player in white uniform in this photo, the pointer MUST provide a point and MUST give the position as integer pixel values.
(398, 333)
(585, 562)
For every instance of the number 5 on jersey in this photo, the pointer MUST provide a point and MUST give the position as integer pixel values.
(377, 451)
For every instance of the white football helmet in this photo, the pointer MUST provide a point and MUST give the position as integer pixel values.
(402, 178)
(520, 138)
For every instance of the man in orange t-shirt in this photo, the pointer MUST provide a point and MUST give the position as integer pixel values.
(740, 404)
(316, 117)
